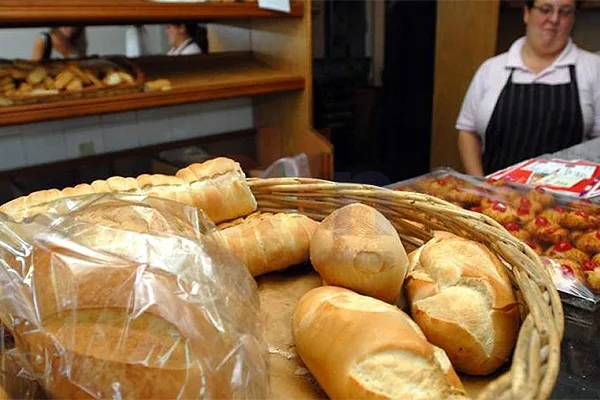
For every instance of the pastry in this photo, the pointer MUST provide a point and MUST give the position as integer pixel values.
(535, 246)
(464, 197)
(579, 220)
(525, 213)
(501, 212)
(554, 214)
(571, 269)
(591, 269)
(589, 242)
(541, 196)
(528, 204)
(585, 205)
(545, 231)
(564, 249)
(517, 231)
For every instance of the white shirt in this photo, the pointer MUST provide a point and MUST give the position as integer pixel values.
(186, 48)
(491, 77)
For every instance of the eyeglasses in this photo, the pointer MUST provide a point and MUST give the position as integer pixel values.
(547, 10)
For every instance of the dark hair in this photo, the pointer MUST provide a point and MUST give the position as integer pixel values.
(78, 40)
(530, 4)
(199, 34)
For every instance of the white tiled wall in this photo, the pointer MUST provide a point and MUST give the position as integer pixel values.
(38, 143)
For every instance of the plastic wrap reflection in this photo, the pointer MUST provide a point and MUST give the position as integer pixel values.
(117, 296)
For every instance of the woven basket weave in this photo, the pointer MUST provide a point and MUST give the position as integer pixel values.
(536, 358)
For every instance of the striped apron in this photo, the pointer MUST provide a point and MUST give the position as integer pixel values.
(530, 120)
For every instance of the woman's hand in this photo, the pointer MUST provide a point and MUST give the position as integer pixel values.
(469, 147)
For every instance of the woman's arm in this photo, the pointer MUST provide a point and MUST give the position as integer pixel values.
(469, 147)
(38, 49)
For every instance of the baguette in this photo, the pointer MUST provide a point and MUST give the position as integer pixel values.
(356, 247)
(461, 297)
(270, 242)
(39, 202)
(360, 347)
(218, 187)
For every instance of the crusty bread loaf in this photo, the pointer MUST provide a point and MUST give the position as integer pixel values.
(219, 187)
(356, 247)
(270, 242)
(358, 347)
(115, 304)
(461, 297)
(157, 185)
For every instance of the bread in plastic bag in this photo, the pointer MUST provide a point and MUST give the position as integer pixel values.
(126, 296)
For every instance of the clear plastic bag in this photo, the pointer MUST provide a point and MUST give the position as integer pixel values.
(296, 166)
(126, 296)
(562, 229)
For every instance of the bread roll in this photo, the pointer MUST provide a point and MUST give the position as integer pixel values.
(156, 185)
(125, 300)
(461, 297)
(358, 347)
(219, 187)
(270, 242)
(356, 247)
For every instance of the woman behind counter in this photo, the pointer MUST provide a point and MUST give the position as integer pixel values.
(187, 39)
(60, 43)
(541, 96)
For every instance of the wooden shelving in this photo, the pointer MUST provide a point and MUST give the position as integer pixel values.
(276, 72)
(106, 12)
(194, 78)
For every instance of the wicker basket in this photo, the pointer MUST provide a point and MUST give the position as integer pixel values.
(536, 358)
(116, 62)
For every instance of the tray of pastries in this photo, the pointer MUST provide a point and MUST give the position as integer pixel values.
(563, 230)
(25, 82)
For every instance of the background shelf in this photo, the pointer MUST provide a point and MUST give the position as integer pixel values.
(107, 12)
(194, 78)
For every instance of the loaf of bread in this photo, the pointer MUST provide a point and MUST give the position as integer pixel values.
(358, 347)
(134, 301)
(163, 186)
(270, 242)
(461, 297)
(219, 187)
(356, 247)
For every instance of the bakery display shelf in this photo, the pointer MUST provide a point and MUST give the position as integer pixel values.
(103, 12)
(193, 78)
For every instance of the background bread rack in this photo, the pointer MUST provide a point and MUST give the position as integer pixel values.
(118, 63)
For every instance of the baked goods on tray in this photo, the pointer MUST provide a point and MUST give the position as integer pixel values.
(27, 82)
(554, 226)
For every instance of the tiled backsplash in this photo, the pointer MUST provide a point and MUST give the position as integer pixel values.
(32, 144)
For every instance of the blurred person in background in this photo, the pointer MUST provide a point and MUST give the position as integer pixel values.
(186, 39)
(63, 42)
(541, 96)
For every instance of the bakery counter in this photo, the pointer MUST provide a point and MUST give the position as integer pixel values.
(579, 376)
(589, 151)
